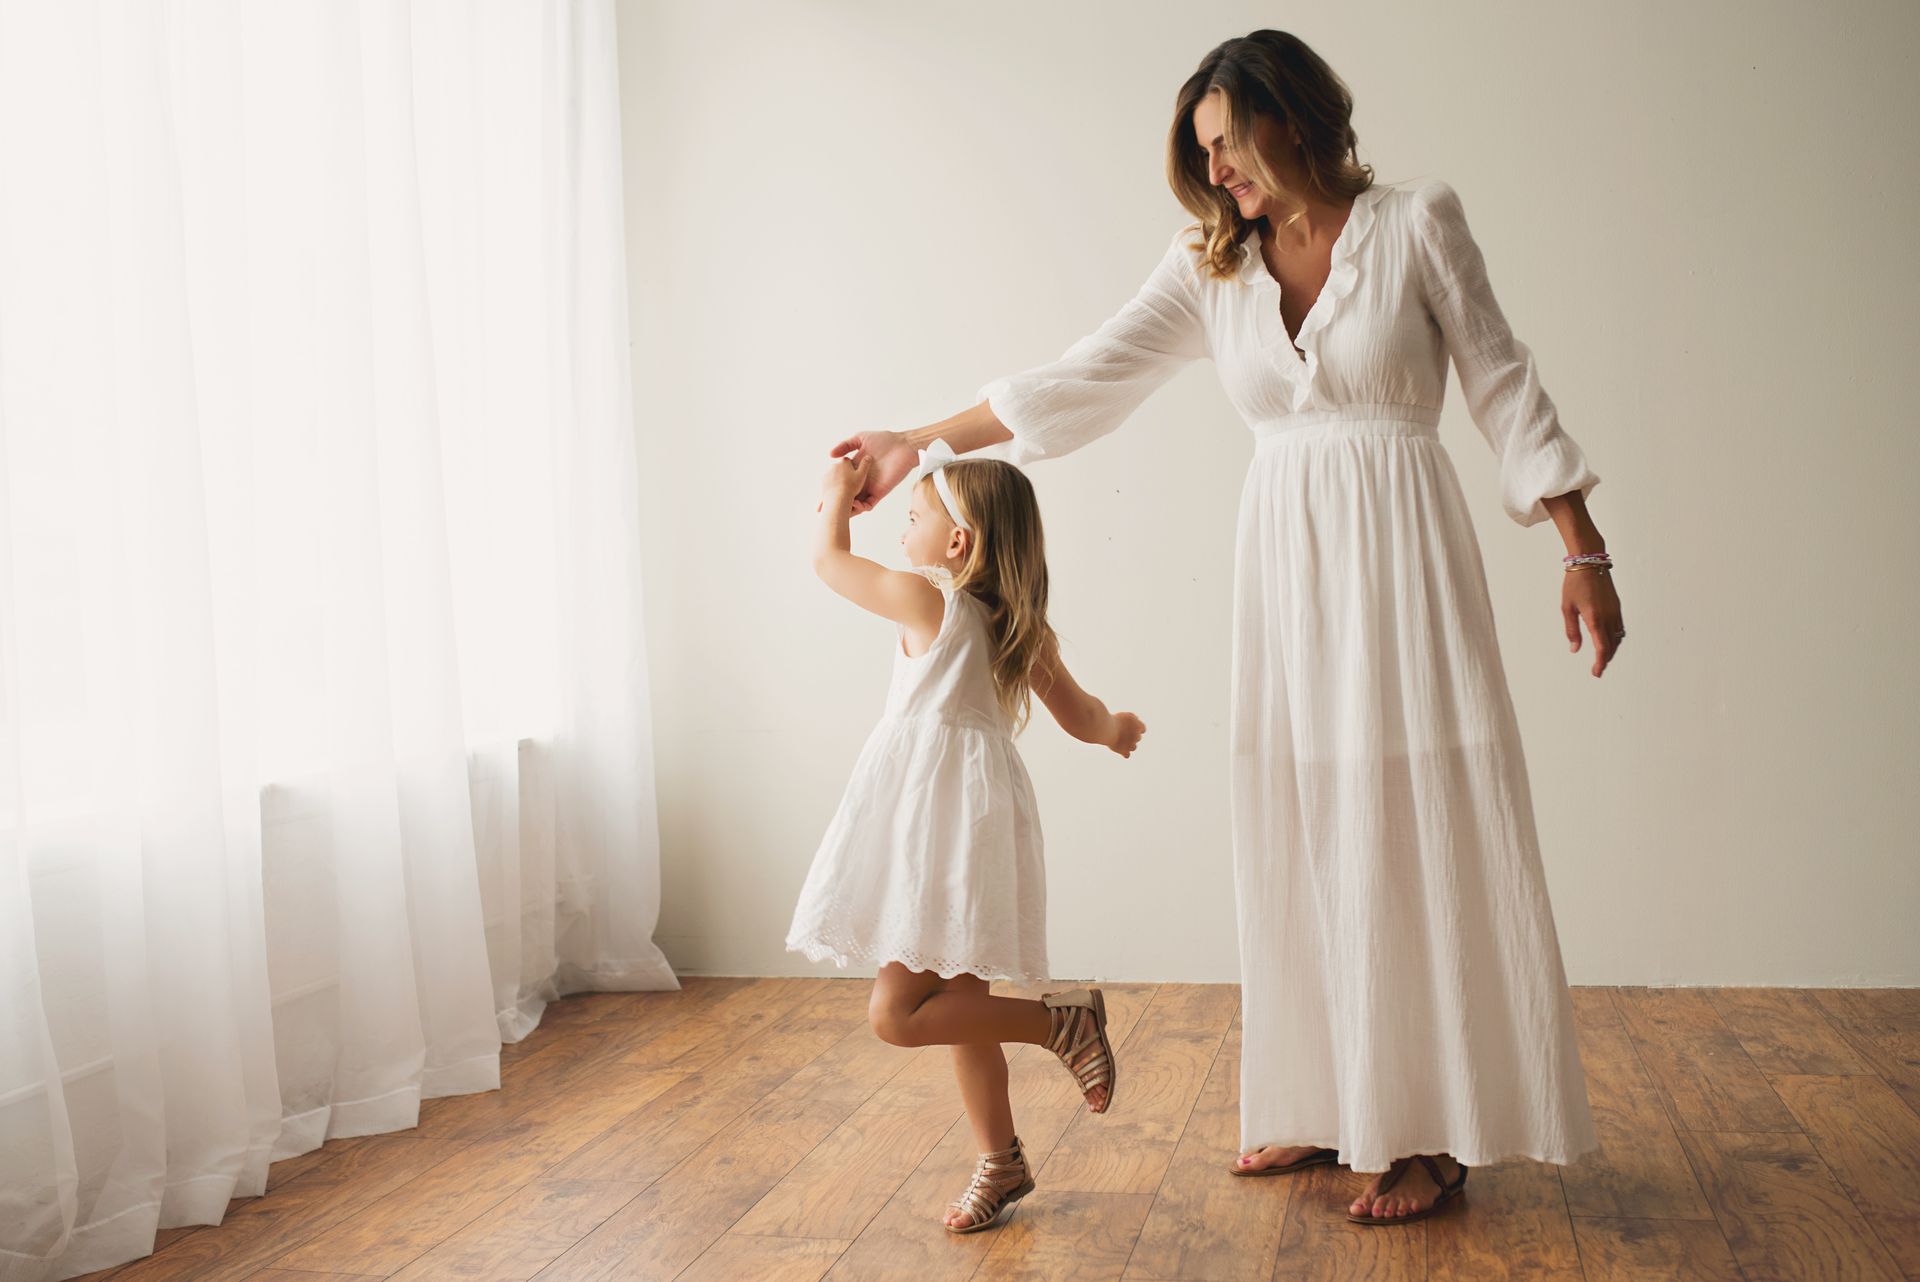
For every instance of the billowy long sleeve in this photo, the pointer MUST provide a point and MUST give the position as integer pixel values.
(1538, 459)
(1056, 408)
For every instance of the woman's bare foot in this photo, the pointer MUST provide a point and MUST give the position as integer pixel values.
(1261, 1158)
(1413, 1191)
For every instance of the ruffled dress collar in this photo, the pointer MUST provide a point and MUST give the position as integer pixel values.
(938, 575)
(1344, 272)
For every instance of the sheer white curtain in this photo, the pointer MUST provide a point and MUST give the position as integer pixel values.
(324, 751)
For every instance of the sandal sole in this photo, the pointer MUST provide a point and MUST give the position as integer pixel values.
(1326, 1157)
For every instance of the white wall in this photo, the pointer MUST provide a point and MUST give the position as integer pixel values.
(850, 215)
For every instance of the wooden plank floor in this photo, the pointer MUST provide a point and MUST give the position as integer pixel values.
(743, 1130)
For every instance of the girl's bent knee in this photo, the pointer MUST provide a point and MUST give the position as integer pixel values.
(890, 1025)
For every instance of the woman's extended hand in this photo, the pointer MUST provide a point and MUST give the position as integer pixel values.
(1589, 597)
(892, 459)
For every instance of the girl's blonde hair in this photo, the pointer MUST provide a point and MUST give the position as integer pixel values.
(1005, 569)
(1266, 73)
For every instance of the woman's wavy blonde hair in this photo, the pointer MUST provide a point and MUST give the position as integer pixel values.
(1265, 73)
(1005, 569)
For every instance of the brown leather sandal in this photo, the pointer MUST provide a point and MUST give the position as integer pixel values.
(1399, 1168)
(1079, 1024)
(1319, 1157)
(1000, 1180)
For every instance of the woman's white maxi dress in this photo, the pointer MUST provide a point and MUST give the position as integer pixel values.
(1402, 986)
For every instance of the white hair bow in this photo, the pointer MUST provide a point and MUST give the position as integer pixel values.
(932, 460)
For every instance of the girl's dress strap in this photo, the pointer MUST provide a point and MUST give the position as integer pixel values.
(938, 575)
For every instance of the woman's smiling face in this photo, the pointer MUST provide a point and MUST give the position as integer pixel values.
(1271, 138)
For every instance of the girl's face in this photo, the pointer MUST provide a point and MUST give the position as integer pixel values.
(931, 537)
(1275, 141)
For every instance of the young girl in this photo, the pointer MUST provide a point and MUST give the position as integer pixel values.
(931, 867)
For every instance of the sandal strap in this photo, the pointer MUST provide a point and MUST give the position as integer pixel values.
(1076, 1031)
(1395, 1169)
(996, 1175)
(1445, 1186)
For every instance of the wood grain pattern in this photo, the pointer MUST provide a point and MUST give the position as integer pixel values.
(842, 1184)
(1594, 1008)
(1161, 1068)
(698, 1043)
(1640, 1170)
(1512, 1223)
(765, 1259)
(653, 1138)
(1066, 1236)
(1870, 1140)
(433, 1207)
(1204, 1227)
(669, 1226)
(905, 1238)
(293, 1168)
(1634, 1250)
(523, 1234)
(1882, 1026)
(1319, 1244)
(257, 1231)
(755, 1129)
(1784, 1216)
(1783, 1031)
(1704, 1075)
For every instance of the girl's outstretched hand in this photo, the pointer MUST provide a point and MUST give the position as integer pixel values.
(844, 478)
(1126, 732)
(892, 459)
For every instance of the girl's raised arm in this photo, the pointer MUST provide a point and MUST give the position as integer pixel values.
(906, 598)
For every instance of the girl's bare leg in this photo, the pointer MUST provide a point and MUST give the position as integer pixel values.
(982, 1072)
(901, 998)
(918, 1008)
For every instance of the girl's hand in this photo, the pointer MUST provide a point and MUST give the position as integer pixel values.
(892, 459)
(844, 478)
(1124, 734)
(1589, 597)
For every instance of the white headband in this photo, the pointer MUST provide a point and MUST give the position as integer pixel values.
(932, 459)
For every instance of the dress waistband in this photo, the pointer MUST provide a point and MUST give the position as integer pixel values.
(1350, 420)
(956, 718)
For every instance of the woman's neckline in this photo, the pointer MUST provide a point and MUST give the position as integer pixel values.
(1333, 250)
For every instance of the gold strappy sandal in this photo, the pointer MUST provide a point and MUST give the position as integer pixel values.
(1079, 1024)
(1000, 1180)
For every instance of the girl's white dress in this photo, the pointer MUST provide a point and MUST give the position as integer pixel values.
(933, 859)
(1402, 986)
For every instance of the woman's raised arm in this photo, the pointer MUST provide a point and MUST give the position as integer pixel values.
(1055, 408)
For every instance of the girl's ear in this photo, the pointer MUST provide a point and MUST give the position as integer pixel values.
(960, 543)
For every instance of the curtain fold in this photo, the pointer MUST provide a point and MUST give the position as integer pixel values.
(325, 757)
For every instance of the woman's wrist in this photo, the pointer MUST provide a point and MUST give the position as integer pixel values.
(971, 429)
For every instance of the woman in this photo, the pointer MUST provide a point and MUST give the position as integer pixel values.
(1404, 1006)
